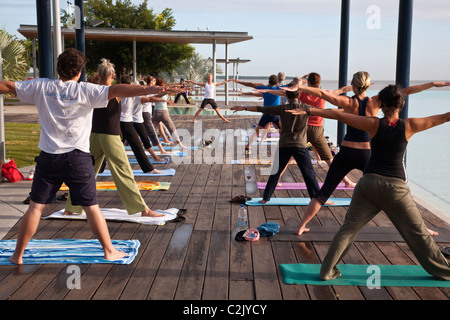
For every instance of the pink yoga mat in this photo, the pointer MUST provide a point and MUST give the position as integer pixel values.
(299, 185)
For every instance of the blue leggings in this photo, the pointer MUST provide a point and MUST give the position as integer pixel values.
(301, 156)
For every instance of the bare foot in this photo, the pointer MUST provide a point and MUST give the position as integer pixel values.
(114, 254)
(348, 183)
(156, 158)
(156, 171)
(329, 203)
(15, 259)
(67, 213)
(151, 213)
(263, 201)
(301, 229)
(432, 232)
(227, 121)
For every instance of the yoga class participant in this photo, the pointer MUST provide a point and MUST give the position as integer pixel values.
(106, 144)
(354, 150)
(268, 100)
(210, 96)
(383, 186)
(65, 111)
(292, 144)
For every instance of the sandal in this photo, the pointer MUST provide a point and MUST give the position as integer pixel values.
(241, 199)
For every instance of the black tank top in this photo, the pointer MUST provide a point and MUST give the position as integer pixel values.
(388, 148)
(107, 120)
(354, 134)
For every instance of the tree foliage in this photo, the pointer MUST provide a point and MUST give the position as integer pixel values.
(14, 57)
(151, 57)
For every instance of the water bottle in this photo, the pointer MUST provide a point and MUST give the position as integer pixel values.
(242, 218)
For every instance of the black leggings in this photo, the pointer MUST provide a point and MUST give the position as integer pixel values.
(142, 132)
(129, 133)
(345, 161)
(211, 102)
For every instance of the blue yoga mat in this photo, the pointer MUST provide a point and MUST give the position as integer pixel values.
(139, 173)
(134, 161)
(363, 275)
(71, 251)
(296, 202)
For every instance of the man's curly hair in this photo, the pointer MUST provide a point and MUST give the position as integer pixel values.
(70, 63)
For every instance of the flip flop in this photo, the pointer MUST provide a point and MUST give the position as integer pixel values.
(241, 199)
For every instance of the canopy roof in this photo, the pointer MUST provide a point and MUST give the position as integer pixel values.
(146, 35)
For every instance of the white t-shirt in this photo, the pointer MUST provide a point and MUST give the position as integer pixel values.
(148, 106)
(137, 113)
(65, 111)
(210, 91)
(162, 105)
(127, 105)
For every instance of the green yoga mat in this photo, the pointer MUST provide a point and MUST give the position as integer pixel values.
(296, 202)
(363, 275)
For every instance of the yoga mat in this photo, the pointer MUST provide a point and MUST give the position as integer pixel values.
(139, 173)
(270, 162)
(158, 153)
(296, 202)
(142, 185)
(299, 185)
(362, 275)
(368, 233)
(71, 251)
(121, 215)
(134, 161)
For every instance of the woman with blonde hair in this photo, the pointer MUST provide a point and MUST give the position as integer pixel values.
(106, 143)
(354, 150)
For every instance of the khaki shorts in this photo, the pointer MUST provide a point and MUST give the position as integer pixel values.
(316, 137)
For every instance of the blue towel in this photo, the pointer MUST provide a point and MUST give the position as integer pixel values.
(295, 202)
(139, 173)
(71, 251)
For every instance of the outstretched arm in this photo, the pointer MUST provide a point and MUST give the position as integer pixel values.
(126, 90)
(425, 86)
(415, 125)
(196, 83)
(368, 124)
(248, 84)
(223, 82)
(339, 101)
(7, 87)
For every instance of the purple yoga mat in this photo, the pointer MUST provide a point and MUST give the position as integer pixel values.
(299, 185)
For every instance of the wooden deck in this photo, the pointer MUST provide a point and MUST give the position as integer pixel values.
(198, 259)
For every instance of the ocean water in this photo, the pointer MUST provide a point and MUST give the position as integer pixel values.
(427, 165)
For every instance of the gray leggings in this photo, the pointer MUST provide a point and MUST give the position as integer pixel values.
(372, 194)
(151, 131)
(164, 117)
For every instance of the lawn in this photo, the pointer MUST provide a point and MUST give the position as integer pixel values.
(21, 143)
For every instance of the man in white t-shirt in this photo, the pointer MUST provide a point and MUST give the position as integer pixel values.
(65, 110)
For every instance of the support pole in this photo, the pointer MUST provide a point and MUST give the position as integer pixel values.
(226, 73)
(2, 125)
(214, 60)
(79, 32)
(343, 58)
(56, 35)
(44, 38)
(134, 61)
(405, 19)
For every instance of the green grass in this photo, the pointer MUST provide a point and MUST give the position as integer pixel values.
(21, 143)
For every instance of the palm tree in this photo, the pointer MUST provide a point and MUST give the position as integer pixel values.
(195, 69)
(14, 57)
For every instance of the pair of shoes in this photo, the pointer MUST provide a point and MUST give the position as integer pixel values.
(62, 197)
(248, 151)
(241, 199)
(446, 251)
(179, 217)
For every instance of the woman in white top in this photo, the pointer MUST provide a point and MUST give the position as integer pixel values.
(210, 96)
(161, 117)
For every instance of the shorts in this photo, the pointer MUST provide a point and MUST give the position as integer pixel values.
(317, 139)
(73, 168)
(269, 118)
(211, 102)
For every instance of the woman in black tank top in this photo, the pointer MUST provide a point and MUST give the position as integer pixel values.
(383, 186)
(354, 150)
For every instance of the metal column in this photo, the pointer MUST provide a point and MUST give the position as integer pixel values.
(79, 33)
(405, 19)
(44, 38)
(56, 35)
(214, 60)
(343, 58)
(226, 73)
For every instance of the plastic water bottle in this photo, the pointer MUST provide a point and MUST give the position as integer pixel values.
(242, 218)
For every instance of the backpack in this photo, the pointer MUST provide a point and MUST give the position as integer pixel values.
(10, 171)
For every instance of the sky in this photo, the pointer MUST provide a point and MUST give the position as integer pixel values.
(301, 36)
